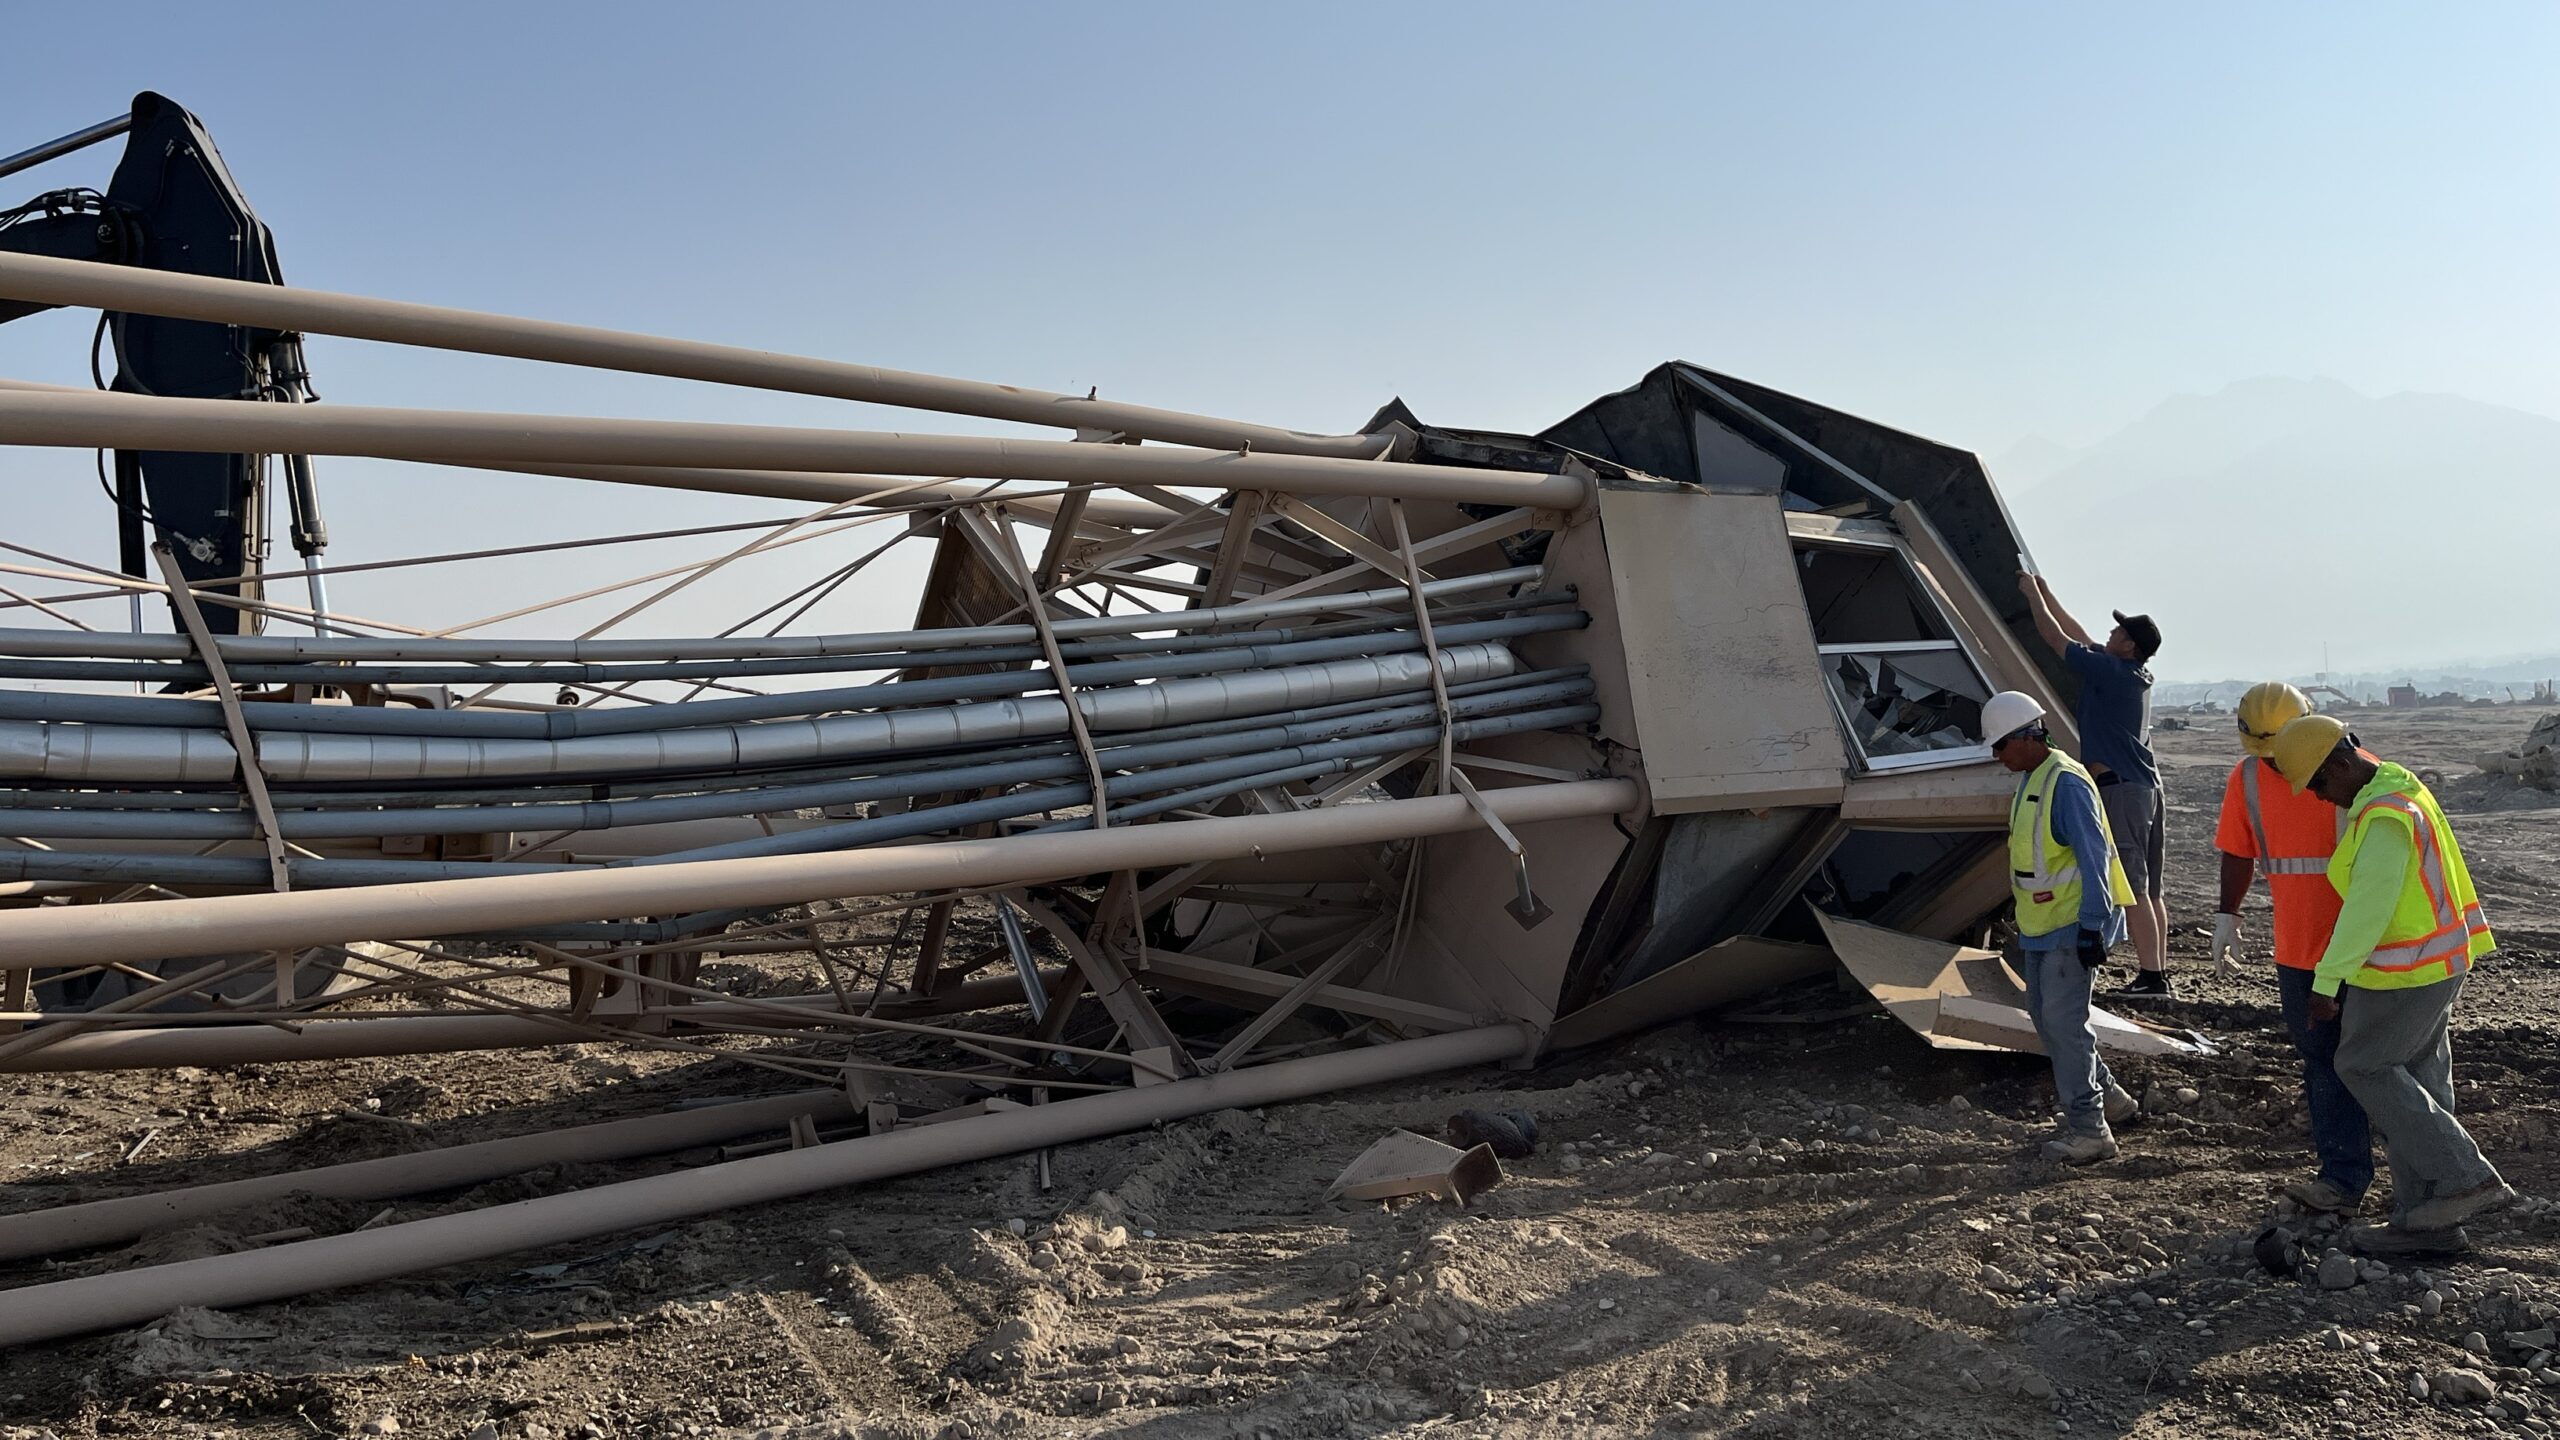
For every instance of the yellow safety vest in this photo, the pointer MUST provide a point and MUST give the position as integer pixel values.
(2437, 928)
(2044, 876)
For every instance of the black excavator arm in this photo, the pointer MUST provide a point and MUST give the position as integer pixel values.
(172, 205)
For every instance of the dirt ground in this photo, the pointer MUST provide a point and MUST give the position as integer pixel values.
(1748, 1229)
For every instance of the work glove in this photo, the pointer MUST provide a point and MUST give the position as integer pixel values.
(2226, 946)
(2091, 947)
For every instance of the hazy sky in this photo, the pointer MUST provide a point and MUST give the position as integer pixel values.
(1978, 222)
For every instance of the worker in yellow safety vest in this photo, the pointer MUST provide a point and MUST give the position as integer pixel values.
(2268, 829)
(2407, 934)
(2066, 921)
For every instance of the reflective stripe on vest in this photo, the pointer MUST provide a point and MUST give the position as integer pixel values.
(2450, 941)
(2290, 864)
(2040, 878)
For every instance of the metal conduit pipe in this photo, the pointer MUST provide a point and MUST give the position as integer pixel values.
(1209, 794)
(91, 867)
(1549, 684)
(1145, 782)
(636, 719)
(224, 798)
(707, 713)
(614, 814)
(566, 723)
(244, 648)
(333, 673)
(128, 1297)
(89, 420)
(99, 754)
(358, 317)
(107, 934)
(904, 826)
(35, 155)
(325, 873)
(105, 1222)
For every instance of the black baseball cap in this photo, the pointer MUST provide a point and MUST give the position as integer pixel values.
(2144, 631)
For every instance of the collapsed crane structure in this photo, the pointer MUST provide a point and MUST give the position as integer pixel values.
(1472, 744)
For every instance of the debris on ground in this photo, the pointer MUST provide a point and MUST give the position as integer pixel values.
(1403, 1163)
(1512, 1134)
(2535, 761)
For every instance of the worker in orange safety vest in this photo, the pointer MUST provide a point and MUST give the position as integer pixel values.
(2268, 828)
(2408, 931)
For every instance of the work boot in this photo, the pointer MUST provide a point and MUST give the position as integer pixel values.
(2323, 1195)
(2152, 983)
(2393, 1242)
(2122, 1108)
(2445, 1212)
(2081, 1147)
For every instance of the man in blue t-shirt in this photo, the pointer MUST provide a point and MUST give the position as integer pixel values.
(2115, 744)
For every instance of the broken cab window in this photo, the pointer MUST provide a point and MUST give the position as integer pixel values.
(1907, 692)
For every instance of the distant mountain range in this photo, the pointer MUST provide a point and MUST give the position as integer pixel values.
(2285, 527)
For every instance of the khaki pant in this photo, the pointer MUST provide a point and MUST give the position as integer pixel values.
(2395, 1053)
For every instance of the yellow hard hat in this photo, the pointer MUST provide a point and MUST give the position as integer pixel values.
(2299, 748)
(2269, 707)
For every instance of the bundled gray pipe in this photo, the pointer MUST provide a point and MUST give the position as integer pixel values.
(948, 776)
(1139, 650)
(1232, 774)
(285, 649)
(225, 799)
(101, 754)
(281, 648)
(1220, 654)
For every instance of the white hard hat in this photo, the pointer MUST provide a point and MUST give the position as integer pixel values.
(2009, 712)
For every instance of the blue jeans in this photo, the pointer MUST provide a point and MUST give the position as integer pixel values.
(2058, 987)
(2340, 1135)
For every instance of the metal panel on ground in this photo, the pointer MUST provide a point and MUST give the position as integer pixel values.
(1730, 706)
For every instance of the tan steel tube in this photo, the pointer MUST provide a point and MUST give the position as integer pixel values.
(321, 312)
(102, 934)
(100, 1302)
(825, 487)
(822, 486)
(144, 1049)
(104, 1222)
(347, 1039)
(97, 419)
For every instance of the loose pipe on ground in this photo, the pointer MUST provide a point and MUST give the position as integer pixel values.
(319, 312)
(225, 924)
(103, 420)
(104, 1222)
(354, 1036)
(98, 1302)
